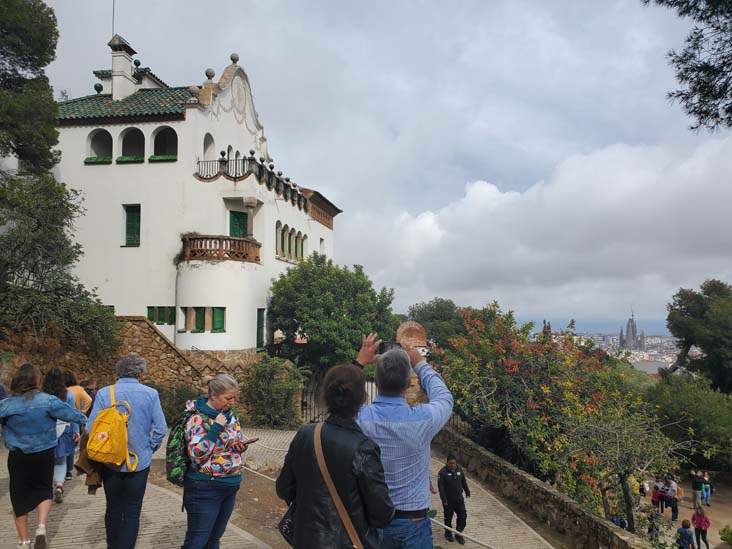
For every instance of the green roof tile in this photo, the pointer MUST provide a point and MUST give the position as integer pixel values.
(145, 102)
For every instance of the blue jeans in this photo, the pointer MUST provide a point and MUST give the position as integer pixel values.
(59, 469)
(209, 505)
(124, 493)
(408, 534)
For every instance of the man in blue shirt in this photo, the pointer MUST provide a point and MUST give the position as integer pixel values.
(146, 427)
(404, 435)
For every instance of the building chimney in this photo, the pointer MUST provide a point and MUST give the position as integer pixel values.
(123, 84)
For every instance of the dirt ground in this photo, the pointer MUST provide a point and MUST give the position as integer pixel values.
(258, 509)
(719, 513)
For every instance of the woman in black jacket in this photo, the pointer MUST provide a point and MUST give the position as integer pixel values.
(354, 462)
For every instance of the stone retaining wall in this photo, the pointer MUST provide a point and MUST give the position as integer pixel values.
(542, 501)
(167, 366)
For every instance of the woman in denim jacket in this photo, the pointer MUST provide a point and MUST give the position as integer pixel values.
(29, 419)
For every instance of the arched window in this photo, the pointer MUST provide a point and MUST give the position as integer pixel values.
(284, 241)
(99, 147)
(291, 246)
(237, 155)
(304, 247)
(209, 147)
(298, 246)
(278, 232)
(133, 146)
(229, 153)
(165, 144)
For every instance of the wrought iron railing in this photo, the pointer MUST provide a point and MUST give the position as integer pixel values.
(236, 168)
(208, 168)
(220, 248)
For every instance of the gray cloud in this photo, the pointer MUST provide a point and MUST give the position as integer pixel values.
(598, 195)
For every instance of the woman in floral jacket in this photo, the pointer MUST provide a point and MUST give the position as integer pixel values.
(215, 445)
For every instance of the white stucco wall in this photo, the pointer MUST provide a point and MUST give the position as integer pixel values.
(172, 202)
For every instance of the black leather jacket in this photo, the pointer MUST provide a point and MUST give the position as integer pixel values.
(354, 462)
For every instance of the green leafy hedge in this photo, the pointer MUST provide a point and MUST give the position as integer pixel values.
(130, 159)
(98, 160)
(270, 390)
(163, 158)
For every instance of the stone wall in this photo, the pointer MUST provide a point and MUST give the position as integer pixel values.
(547, 504)
(167, 367)
(210, 363)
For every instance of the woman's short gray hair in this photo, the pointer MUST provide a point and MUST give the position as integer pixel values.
(131, 366)
(221, 383)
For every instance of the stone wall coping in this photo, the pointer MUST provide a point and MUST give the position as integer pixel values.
(143, 319)
(461, 446)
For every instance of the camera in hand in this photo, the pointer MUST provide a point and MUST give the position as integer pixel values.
(388, 346)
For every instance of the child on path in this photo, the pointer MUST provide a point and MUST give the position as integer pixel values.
(684, 537)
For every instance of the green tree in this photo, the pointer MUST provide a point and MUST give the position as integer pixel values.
(37, 212)
(704, 319)
(28, 36)
(441, 318)
(704, 66)
(688, 406)
(623, 439)
(36, 287)
(330, 306)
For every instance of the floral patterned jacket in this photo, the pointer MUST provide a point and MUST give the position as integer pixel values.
(210, 445)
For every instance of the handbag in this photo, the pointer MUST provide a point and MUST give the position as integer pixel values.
(355, 540)
(286, 526)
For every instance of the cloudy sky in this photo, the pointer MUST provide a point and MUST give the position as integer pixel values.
(519, 151)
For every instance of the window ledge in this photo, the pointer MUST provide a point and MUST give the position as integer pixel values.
(218, 331)
(197, 331)
(130, 159)
(163, 158)
(130, 246)
(96, 160)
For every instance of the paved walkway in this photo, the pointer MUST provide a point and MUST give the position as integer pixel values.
(78, 522)
(489, 520)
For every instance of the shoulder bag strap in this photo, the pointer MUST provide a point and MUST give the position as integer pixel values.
(111, 395)
(355, 540)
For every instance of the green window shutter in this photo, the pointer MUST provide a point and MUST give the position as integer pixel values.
(132, 225)
(283, 252)
(160, 319)
(200, 318)
(219, 319)
(151, 314)
(302, 248)
(237, 224)
(171, 315)
(292, 246)
(260, 328)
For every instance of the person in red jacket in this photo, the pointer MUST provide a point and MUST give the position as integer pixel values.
(701, 524)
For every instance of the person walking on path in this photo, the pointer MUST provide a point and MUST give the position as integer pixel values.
(29, 419)
(701, 524)
(451, 483)
(672, 496)
(215, 445)
(697, 486)
(708, 489)
(684, 536)
(404, 434)
(67, 433)
(90, 388)
(124, 489)
(83, 402)
(352, 460)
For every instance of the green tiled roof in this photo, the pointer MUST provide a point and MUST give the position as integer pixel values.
(144, 102)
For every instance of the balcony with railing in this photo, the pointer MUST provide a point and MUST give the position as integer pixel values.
(237, 168)
(220, 248)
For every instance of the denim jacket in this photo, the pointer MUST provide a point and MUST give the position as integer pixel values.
(29, 424)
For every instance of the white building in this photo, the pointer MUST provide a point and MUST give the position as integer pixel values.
(186, 220)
